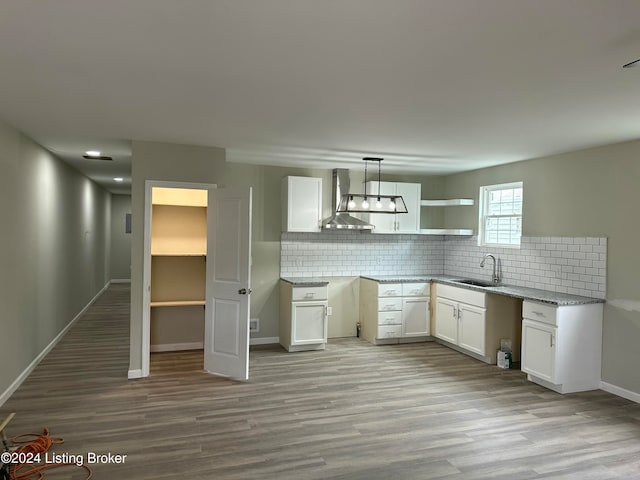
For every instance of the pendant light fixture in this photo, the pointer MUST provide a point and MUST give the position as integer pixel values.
(371, 202)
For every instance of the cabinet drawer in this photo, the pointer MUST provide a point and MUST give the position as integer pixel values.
(389, 289)
(539, 312)
(415, 289)
(391, 303)
(308, 293)
(390, 318)
(463, 295)
(390, 331)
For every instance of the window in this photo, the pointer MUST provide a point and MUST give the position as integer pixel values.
(500, 220)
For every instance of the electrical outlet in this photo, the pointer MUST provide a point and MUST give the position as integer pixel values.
(254, 325)
(329, 311)
(298, 261)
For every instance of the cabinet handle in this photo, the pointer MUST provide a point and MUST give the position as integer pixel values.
(308, 295)
(551, 341)
(540, 314)
(455, 312)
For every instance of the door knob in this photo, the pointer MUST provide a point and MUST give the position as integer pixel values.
(244, 291)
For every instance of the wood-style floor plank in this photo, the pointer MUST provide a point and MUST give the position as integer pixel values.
(352, 412)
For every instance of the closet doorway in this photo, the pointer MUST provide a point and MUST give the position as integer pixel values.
(197, 274)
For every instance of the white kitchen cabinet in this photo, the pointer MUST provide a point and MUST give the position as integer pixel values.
(446, 320)
(402, 222)
(561, 345)
(472, 328)
(394, 312)
(473, 321)
(459, 322)
(303, 317)
(301, 204)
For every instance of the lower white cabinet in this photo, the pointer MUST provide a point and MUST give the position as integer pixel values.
(458, 322)
(561, 345)
(473, 322)
(394, 312)
(303, 317)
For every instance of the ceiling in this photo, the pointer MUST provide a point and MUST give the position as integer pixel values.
(434, 86)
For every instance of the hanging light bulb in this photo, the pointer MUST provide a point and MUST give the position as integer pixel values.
(351, 203)
(378, 203)
(392, 204)
(365, 204)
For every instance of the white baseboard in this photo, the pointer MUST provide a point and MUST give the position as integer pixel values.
(23, 376)
(134, 374)
(174, 347)
(621, 392)
(264, 340)
(120, 280)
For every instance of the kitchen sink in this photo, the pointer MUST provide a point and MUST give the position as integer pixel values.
(475, 283)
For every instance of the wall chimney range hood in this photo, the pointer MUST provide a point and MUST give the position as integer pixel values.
(340, 182)
(370, 202)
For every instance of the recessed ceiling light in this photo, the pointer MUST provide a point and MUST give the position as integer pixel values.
(92, 153)
(118, 179)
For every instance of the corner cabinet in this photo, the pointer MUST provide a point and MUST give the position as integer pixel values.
(301, 204)
(561, 345)
(394, 312)
(303, 317)
(399, 223)
(473, 322)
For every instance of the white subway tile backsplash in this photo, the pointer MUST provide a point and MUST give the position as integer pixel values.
(563, 264)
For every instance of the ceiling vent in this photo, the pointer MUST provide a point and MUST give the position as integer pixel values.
(99, 157)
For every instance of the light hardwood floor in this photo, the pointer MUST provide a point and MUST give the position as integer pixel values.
(354, 411)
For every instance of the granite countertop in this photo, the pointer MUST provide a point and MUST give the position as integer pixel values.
(398, 278)
(525, 293)
(305, 281)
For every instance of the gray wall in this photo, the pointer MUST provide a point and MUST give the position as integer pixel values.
(591, 193)
(120, 241)
(54, 249)
(160, 161)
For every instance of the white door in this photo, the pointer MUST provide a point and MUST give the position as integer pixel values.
(472, 328)
(447, 320)
(226, 341)
(538, 356)
(415, 317)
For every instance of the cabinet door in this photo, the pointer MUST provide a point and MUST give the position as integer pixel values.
(409, 222)
(415, 317)
(538, 355)
(446, 320)
(308, 323)
(304, 204)
(472, 328)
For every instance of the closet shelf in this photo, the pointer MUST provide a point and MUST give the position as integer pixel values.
(177, 254)
(179, 303)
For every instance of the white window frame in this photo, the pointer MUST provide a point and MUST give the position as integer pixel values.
(482, 213)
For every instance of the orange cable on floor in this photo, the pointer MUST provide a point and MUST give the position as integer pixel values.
(33, 443)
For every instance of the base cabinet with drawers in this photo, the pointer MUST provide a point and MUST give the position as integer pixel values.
(473, 322)
(394, 312)
(303, 317)
(562, 345)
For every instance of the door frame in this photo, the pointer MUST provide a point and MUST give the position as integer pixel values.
(146, 255)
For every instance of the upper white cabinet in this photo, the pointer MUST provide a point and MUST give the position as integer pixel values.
(561, 346)
(402, 222)
(301, 204)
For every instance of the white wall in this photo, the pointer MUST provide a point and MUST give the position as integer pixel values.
(54, 249)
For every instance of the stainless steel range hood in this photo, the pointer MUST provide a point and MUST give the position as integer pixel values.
(340, 184)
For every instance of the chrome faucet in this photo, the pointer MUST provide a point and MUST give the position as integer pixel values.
(496, 275)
